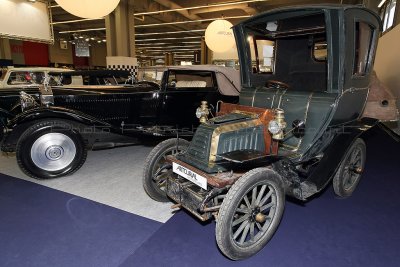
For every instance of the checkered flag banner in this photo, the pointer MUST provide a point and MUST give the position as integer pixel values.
(123, 63)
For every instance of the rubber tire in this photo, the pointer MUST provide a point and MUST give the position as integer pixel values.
(32, 133)
(152, 159)
(230, 203)
(338, 179)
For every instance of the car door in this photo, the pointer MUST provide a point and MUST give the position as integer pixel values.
(362, 33)
(183, 92)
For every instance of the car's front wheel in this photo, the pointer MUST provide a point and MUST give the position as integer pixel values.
(50, 149)
(154, 177)
(250, 214)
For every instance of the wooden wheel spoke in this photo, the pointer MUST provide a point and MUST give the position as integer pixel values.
(242, 210)
(269, 205)
(260, 195)
(246, 200)
(267, 196)
(253, 196)
(241, 219)
(245, 233)
(252, 231)
(240, 229)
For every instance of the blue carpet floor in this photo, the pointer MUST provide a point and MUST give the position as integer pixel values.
(363, 230)
(44, 227)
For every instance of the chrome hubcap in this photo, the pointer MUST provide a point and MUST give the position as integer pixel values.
(53, 151)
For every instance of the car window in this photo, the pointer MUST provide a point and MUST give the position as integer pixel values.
(25, 78)
(190, 79)
(152, 75)
(362, 49)
(262, 55)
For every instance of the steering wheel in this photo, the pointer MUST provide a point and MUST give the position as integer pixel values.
(277, 84)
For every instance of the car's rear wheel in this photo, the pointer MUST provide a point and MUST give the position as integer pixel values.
(50, 149)
(350, 170)
(154, 177)
(250, 214)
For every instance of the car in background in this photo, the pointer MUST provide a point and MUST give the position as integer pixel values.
(22, 77)
(92, 77)
(51, 127)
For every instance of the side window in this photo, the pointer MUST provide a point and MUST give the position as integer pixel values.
(19, 78)
(191, 79)
(362, 50)
(262, 55)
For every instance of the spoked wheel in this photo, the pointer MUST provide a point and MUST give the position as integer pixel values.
(250, 214)
(154, 177)
(350, 170)
(50, 149)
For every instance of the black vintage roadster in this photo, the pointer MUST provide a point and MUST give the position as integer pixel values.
(51, 127)
(306, 79)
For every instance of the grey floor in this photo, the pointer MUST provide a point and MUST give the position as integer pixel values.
(111, 177)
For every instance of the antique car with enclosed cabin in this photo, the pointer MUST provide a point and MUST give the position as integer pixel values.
(50, 127)
(306, 75)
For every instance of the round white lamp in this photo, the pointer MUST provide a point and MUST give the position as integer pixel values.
(91, 9)
(219, 36)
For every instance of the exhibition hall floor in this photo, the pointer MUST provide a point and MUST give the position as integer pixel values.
(100, 216)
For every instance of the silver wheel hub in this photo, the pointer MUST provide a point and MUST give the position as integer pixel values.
(53, 151)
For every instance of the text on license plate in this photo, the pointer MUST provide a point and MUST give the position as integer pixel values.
(190, 175)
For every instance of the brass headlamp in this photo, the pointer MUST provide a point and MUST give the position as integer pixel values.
(202, 112)
(277, 125)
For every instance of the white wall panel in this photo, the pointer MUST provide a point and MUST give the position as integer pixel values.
(20, 19)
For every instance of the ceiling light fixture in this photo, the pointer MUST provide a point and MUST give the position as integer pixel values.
(197, 7)
(188, 21)
(168, 38)
(159, 33)
(91, 9)
(84, 30)
(73, 21)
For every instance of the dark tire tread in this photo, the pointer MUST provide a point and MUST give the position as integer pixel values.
(221, 227)
(33, 128)
(150, 162)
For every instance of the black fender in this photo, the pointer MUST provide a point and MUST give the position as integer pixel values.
(333, 153)
(55, 113)
(18, 124)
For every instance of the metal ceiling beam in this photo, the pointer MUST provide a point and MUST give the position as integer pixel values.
(172, 5)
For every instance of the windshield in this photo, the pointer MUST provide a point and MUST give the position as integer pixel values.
(151, 75)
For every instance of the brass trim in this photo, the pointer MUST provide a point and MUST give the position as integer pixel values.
(228, 128)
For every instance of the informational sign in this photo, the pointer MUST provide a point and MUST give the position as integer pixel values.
(82, 48)
(25, 20)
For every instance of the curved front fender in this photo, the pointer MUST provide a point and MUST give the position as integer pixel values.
(55, 113)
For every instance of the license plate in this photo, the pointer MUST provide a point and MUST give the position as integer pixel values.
(190, 175)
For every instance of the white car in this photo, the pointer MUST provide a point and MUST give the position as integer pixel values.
(24, 77)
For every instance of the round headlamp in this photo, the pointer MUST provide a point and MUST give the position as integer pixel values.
(199, 113)
(274, 127)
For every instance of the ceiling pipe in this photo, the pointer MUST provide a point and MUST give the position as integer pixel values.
(244, 7)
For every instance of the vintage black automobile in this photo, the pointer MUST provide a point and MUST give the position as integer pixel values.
(51, 127)
(299, 125)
